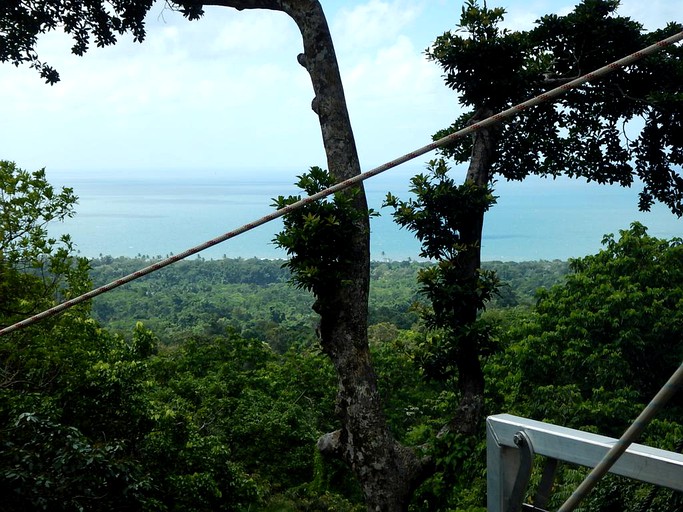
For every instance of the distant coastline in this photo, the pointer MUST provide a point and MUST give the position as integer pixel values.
(538, 220)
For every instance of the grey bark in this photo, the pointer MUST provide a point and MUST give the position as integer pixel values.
(467, 417)
(387, 471)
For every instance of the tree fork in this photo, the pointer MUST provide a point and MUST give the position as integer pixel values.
(470, 375)
(387, 471)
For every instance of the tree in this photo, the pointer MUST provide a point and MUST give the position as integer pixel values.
(91, 420)
(586, 133)
(386, 470)
(445, 218)
(593, 132)
(63, 403)
(612, 329)
(35, 269)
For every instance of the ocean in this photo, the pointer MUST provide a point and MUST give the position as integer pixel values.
(157, 214)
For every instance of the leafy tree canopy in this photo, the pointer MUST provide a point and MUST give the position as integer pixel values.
(21, 23)
(607, 339)
(625, 127)
(595, 352)
(35, 269)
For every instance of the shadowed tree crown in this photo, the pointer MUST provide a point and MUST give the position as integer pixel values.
(87, 22)
(620, 129)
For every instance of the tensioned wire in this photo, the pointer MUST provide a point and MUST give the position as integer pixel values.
(494, 119)
(621, 445)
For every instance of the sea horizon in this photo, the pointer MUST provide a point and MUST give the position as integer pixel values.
(158, 214)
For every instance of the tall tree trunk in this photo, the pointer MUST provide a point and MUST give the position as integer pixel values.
(387, 471)
(470, 374)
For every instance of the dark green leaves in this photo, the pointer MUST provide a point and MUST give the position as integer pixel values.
(595, 352)
(486, 66)
(622, 128)
(443, 217)
(613, 328)
(316, 236)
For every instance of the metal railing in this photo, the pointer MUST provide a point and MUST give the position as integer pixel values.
(512, 442)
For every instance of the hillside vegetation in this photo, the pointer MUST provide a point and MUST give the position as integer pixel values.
(204, 387)
(254, 297)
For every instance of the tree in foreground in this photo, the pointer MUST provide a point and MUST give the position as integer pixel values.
(45, 461)
(387, 471)
(491, 69)
(35, 268)
(96, 421)
(624, 129)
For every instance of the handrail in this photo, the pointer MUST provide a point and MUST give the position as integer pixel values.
(639, 462)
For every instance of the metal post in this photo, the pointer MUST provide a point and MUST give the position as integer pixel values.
(643, 463)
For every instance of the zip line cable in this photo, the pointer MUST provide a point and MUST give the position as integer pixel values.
(669, 389)
(494, 119)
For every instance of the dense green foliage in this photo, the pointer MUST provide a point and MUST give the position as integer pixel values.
(90, 420)
(46, 462)
(206, 297)
(215, 418)
(595, 351)
(614, 322)
(580, 134)
(254, 297)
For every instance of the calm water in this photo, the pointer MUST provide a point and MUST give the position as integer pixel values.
(126, 214)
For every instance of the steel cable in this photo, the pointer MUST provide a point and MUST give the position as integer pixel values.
(669, 389)
(494, 119)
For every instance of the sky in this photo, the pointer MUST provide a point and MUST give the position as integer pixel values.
(226, 94)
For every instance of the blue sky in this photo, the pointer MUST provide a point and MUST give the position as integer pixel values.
(225, 93)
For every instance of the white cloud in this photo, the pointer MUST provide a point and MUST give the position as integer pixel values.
(226, 90)
(396, 73)
(653, 14)
(397, 100)
(523, 15)
(187, 87)
(255, 33)
(370, 24)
